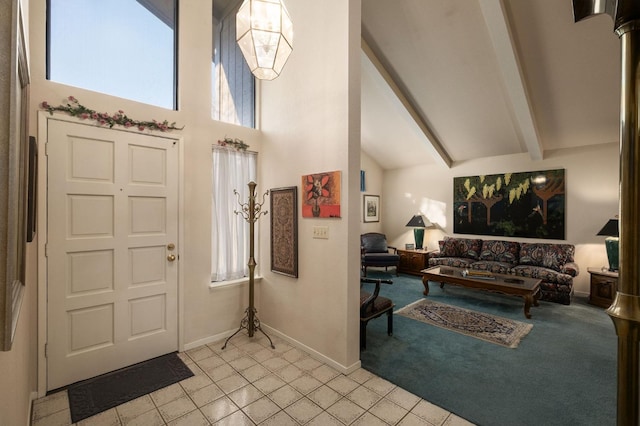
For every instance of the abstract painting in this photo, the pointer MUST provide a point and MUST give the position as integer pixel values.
(321, 194)
(524, 204)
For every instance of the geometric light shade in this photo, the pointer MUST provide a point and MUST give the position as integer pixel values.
(264, 32)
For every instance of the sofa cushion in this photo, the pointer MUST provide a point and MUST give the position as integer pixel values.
(462, 247)
(500, 251)
(491, 266)
(448, 248)
(552, 256)
(456, 262)
(545, 274)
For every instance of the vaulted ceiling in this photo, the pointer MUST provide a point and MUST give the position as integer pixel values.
(445, 81)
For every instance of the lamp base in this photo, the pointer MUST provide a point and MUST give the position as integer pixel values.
(612, 244)
(418, 235)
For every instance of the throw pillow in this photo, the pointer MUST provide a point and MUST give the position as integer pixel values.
(469, 248)
(500, 251)
(449, 248)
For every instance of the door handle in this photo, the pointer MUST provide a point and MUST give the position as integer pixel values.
(171, 257)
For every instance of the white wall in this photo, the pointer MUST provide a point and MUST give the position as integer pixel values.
(311, 124)
(591, 174)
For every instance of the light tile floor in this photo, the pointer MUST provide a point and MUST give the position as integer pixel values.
(248, 383)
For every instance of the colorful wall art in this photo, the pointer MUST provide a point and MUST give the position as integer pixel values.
(525, 204)
(321, 194)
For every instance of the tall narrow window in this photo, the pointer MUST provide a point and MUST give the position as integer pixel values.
(232, 170)
(125, 48)
(233, 84)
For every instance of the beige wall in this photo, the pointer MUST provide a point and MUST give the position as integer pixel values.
(311, 124)
(18, 367)
(591, 198)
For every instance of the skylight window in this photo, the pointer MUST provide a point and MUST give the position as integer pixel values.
(124, 48)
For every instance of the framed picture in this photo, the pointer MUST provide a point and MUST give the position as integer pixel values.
(284, 231)
(321, 194)
(409, 246)
(519, 204)
(371, 208)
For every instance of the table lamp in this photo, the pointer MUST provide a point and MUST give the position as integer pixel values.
(418, 223)
(610, 230)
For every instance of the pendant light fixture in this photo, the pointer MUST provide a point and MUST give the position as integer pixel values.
(264, 32)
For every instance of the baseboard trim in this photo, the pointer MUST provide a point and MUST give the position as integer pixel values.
(207, 340)
(313, 353)
(270, 330)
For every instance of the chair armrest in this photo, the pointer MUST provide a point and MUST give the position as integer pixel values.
(365, 304)
(395, 250)
(570, 268)
(377, 282)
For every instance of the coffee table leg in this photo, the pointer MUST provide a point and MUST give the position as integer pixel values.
(528, 300)
(425, 283)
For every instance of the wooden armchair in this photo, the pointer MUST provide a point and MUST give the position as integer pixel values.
(374, 251)
(372, 306)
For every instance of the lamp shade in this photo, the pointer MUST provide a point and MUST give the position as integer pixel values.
(264, 32)
(610, 229)
(419, 222)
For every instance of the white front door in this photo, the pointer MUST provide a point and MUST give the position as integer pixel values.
(112, 269)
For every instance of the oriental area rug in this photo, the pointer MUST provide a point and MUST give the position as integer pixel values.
(501, 331)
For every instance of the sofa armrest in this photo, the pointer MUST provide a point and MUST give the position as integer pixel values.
(570, 268)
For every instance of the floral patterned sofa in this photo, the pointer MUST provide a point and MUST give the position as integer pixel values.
(552, 263)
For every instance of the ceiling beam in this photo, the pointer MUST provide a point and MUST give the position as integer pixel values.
(506, 54)
(434, 145)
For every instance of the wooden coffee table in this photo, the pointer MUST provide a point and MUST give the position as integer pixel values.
(527, 288)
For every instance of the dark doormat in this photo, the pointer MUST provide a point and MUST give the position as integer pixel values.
(98, 394)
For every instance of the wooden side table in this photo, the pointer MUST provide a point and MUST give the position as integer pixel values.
(604, 285)
(413, 261)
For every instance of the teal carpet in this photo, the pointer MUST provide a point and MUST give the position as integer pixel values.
(562, 373)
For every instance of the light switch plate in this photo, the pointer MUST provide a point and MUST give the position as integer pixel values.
(321, 232)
